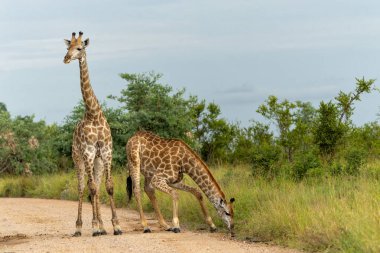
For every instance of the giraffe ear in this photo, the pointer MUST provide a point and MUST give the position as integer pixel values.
(67, 42)
(86, 42)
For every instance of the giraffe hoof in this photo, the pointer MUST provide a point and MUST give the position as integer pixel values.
(213, 229)
(117, 232)
(97, 233)
(176, 230)
(169, 229)
(77, 234)
(102, 232)
(147, 230)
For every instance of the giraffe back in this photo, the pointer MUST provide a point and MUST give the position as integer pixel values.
(169, 158)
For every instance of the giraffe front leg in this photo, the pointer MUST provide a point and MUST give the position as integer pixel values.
(200, 199)
(80, 175)
(149, 190)
(161, 184)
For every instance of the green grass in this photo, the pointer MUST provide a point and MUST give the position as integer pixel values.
(329, 214)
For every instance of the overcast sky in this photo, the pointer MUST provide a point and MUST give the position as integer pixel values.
(235, 53)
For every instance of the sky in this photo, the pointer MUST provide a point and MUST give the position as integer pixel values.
(234, 53)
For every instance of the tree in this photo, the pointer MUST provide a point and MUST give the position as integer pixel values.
(214, 133)
(152, 106)
(281, 114)
(292, 120)
(328, 129)
(3, 107)
(250, 141)
(345, 101)
(26, 144)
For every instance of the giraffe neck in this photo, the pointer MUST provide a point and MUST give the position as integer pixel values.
(202, 176)
(91, 102)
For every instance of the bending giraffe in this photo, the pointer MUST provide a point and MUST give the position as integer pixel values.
(92, 144)
(163, 163)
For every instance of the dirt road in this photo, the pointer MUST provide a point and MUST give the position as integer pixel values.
(40, 225)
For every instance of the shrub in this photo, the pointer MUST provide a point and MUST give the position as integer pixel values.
(306, 163)
(355, 159)
(264, 158)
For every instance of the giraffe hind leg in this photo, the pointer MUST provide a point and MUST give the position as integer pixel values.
(134, 172)
(107, 160)
(89, 155)
(98, 173)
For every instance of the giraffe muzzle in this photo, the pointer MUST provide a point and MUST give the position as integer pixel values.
(67, 59)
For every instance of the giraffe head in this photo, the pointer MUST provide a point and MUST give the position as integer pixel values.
(226, 212)
(75, 48)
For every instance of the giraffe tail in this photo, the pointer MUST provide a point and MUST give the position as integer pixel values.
(129, 188)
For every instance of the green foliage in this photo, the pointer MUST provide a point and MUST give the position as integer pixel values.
(355, 158)
(152, 106)
(3, 107)
(306, 163)
(214, 134)
(264, 159)
(308, 142)
(281, 114)
(17, 152)
(345, 100)
(328, 129)
(292, 121)
(366, 138)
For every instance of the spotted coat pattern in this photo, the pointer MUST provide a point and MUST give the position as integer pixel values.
(92, 145)
(163, 162)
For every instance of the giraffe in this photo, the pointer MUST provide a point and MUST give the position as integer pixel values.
(92, 144)
(163, 163)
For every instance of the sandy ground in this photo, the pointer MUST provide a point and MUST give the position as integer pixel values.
(40, 225)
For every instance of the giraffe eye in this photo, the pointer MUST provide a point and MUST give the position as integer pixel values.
(227, 213)
(79, 48)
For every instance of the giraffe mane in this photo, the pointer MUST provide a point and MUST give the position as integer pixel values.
(203, 163)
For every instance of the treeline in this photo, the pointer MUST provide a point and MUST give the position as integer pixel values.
(297, 140)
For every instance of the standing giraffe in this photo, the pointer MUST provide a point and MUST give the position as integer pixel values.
(92, 144)
(163, 163)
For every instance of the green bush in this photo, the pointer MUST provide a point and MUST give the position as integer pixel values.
(336, 169)
(264, 159)
(304, 164)
(355, 158)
